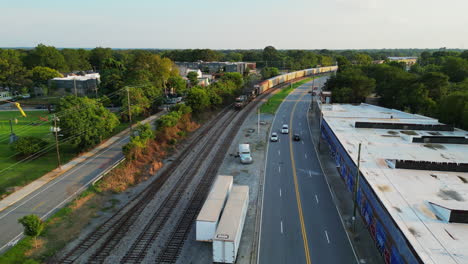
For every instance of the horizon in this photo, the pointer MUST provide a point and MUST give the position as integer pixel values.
(178, 24)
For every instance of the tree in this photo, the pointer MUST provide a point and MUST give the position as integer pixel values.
(234, 77)
(198, 99)
(177, 83)
(456, 68)
(269, 72)
(350, 86)
(270, 54)
(77, 59)
(453, 109)
(12, 72)
(98, 56)
(141, 134)
(28, 145)
(85, 121)
(193, 78)
(40, 74)
(437, 83)
(342, 62)
(362, 59)
(233, 56)
(46, 56)
(33, 226)
(139, 100)
(464, 55)
(112, 76)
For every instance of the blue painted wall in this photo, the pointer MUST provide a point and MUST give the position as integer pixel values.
(389, 239)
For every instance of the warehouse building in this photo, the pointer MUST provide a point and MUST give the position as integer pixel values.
(216, 66)
(80, 85)
(413, 185)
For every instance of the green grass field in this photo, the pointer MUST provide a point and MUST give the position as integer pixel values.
(270, 106)
(13, 172)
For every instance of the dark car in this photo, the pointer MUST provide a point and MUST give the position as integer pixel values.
(296, 137)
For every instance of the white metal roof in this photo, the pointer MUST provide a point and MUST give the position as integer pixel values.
(88, 76)
(230, 221)
(214, 203)
(406, 193)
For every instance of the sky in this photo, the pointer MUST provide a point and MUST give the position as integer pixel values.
(239, 24)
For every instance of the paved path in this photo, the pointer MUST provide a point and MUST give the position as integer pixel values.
(47, 194)
(300, 222)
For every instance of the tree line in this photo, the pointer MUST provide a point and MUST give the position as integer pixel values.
(436, 86)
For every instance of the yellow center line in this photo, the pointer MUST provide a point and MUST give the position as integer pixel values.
(38, 205)
(296, 186)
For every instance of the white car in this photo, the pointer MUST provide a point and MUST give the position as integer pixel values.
(274, 137)
(285, 129)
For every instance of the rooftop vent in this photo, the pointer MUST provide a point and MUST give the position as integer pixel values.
(404, 126)
(441, 139)
(429, 165)
(449, 213)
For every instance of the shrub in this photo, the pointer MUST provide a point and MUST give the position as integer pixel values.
(28, 145)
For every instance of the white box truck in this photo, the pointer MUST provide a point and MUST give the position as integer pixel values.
(244, 154)
(229, 231)
(208, 218)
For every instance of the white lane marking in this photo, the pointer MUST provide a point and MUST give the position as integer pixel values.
(316, 198)
(326, 234)
(310, 173)
(280, 192)
(281, 226)
(60, 178)
(302, 142)
(305, 154)
(279, 169)
(279, 152)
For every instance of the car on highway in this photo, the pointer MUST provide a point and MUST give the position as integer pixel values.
(315, 88)
(285, 129)
(274, 137)
(296, 137)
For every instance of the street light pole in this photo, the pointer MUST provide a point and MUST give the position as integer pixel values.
(129, 112)
(56, 130)
(258, 121)
(356, 188)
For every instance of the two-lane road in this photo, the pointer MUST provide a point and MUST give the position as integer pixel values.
(300, 223)
(55, 194)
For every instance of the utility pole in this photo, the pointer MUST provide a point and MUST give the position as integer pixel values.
(356, 188)
(258, 121)
(13, 137)
(129, 112)
(56, 130)
(74, 86)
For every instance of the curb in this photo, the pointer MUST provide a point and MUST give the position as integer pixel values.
(26, 190)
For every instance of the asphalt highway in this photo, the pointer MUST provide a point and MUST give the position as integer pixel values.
(56, 193)
(300, 222)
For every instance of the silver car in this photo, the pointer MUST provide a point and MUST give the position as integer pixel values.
(274, 137)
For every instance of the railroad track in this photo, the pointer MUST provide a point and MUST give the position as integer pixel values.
(127, 215)
(116, 227)
(142, 244)
(173, 246)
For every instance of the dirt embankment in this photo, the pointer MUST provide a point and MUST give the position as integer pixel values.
(142, 162)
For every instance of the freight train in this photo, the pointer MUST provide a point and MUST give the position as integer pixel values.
(274, 81)
(269, 83)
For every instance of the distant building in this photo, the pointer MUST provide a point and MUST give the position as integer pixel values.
(413, 180)
(81, 85)
(5, 95)
(186, 71)
(204, 81)
(409, 61)
(216, 67)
